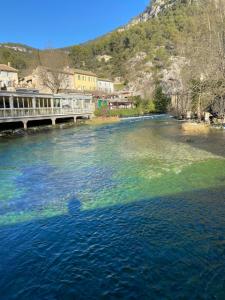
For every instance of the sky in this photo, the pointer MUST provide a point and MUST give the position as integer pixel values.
(59, 23)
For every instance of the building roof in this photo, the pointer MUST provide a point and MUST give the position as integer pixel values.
(7, 68)
(103, 79)
(83, 72)
(118, 100)
(68, 72)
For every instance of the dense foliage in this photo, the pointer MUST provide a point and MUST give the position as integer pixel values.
(157, 38)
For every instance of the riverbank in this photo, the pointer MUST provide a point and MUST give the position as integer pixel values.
(103, 120)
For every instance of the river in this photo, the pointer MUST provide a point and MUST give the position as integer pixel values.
(134, 210)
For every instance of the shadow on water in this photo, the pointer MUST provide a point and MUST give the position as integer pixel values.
(162, 248)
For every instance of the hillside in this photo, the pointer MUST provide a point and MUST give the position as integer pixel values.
(178, 44)
(120, 44)
(146, 45)
(150, 37)
(25, 58)
(22, 57)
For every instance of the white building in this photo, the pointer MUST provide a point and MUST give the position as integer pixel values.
(105, 85)
(104, 58)
(8, 77)
(26, 107)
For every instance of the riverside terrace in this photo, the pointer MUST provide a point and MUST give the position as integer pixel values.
(29, 106)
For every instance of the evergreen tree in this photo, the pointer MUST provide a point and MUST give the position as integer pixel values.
(161, 100)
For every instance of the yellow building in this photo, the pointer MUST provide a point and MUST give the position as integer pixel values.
(85, 80)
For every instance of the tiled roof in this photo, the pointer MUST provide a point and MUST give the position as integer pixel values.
(83, 72)
(66, 71)
(7, 68)
(107, 80)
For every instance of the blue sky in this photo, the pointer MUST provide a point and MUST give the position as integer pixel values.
(58, 23)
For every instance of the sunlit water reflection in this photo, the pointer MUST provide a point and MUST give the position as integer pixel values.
(132, 210)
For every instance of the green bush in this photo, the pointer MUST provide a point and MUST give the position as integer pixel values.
(123, 112)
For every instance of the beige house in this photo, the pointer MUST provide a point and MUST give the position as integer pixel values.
(8, 77)
(47, 80)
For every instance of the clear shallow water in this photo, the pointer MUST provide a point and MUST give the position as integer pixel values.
(125, 211)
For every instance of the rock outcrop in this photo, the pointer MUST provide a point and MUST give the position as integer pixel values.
(156, 7)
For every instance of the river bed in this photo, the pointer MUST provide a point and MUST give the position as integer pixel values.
(132, 210)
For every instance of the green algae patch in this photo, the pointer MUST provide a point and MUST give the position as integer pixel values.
(197, 176)
(20, 217)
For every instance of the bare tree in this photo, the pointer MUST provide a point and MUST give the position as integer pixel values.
(52, 70)
(204, 49)
(54, 80)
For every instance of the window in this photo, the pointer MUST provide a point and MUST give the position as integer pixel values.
(7, 104)
(1, 102)
(78, 77)
(15, 103)
(86, 103)
(56, 103)
(41, 102)
(37, 103)
(20, 102)
(26, 104)
(45, 102)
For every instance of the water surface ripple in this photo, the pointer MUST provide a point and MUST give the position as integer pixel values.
(125, 211)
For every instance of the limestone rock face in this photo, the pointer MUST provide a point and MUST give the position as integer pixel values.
(171, 77)
(141, 79)
(154, 8)
(159, 6)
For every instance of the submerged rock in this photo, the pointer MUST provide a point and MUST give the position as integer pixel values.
(195, 128)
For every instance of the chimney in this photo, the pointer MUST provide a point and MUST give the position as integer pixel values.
(9, 64)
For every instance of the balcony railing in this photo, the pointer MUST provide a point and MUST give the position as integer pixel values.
(36, 112)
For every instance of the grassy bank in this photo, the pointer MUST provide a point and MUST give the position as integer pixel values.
(119, 112)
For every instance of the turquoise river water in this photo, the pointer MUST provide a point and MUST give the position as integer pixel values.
(134, 210)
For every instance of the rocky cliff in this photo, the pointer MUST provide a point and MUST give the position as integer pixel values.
(155, 7)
